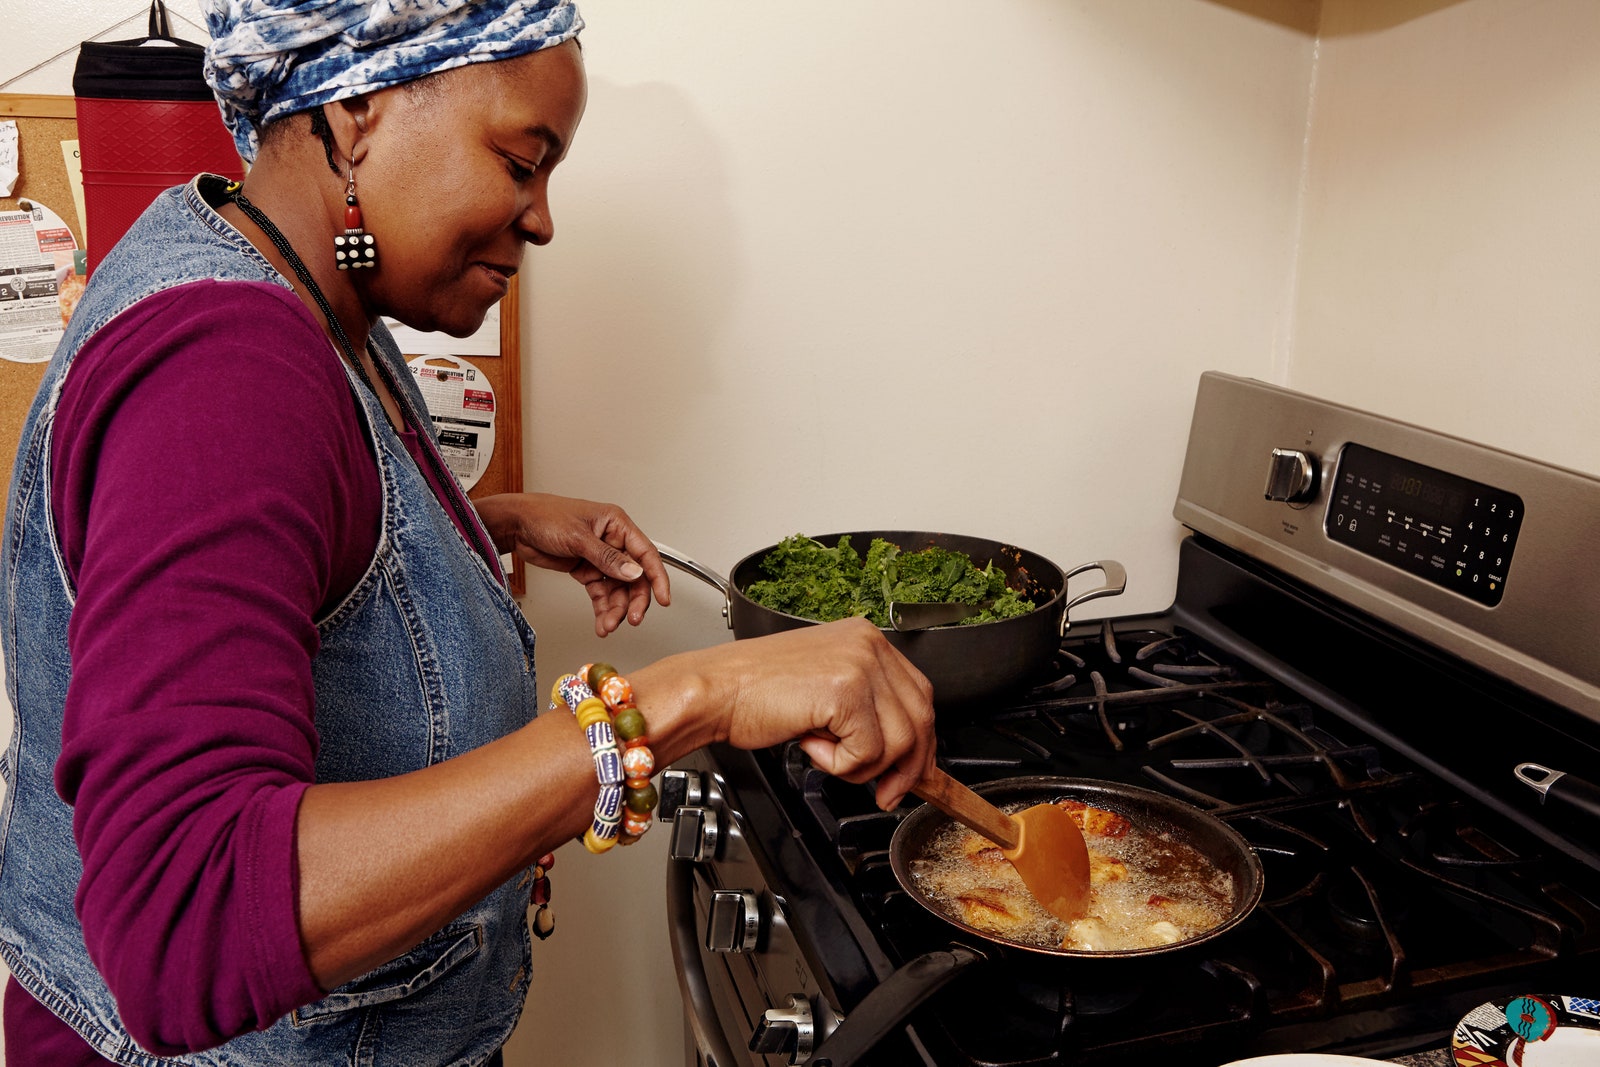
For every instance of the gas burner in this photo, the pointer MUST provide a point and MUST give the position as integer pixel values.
(1445, 836)
(1295, 863)
(1360, 911)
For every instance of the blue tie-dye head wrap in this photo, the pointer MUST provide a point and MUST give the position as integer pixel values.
(270, 58)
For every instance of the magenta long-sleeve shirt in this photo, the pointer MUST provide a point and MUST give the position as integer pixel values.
(215, 494)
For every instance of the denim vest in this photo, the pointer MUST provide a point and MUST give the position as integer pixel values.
(426, 658)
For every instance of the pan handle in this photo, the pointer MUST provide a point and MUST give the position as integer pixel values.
(673, 557)
(890, 1003)
(1116, 581)
(1570, 789)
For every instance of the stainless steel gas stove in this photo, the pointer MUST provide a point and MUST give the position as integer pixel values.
(1375, 627)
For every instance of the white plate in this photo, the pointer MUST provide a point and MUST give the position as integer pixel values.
(1533, 1030)
(1307, 1059)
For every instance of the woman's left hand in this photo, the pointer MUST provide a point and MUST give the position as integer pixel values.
(595, 543)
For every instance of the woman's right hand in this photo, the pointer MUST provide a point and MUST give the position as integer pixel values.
(858, 707)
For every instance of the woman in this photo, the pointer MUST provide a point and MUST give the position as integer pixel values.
(273, 784)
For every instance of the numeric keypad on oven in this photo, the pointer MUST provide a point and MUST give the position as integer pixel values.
(1487, 539)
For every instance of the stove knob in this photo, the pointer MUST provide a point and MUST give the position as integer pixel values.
(694, 834)
(1291, 476)
(786, 1030)
(679, 789)
(735, 922)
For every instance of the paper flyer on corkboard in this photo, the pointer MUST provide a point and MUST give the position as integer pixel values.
(36, 270)
(74, 165)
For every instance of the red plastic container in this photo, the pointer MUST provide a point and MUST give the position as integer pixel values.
(133, 149)
(146, 122)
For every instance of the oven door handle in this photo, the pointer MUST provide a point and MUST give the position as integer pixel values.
(888, 1006)
(709, 1039)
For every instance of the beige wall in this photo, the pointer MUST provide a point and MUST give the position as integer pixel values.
(1450, 252)
(943, 266)
(957, 266)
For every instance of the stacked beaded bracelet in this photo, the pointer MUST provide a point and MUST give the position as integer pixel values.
(622, 810)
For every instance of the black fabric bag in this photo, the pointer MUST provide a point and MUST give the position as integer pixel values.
(168, 69)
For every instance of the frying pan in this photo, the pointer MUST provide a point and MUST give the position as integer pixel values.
(1152, 812)
(966, 664)
(891, 1003)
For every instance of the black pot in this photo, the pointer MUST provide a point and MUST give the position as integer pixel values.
(966, 664)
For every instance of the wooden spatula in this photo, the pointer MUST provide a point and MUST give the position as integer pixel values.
(1042, 842)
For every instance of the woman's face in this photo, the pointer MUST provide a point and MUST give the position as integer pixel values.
(455, 180)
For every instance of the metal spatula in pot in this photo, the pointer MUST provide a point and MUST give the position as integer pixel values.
(1042, 842)
(907, 616)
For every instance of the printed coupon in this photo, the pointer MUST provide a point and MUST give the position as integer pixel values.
(461, 404)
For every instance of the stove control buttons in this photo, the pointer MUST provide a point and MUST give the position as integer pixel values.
(735, 922)
(694, 834)
(786, 1031)
(679, 789)
(1291, 476)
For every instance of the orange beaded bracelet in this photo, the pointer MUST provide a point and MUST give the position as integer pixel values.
(622, 809)
(639, 797)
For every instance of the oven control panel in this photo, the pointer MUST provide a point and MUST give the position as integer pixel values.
(1482, 553)
(1452, 531)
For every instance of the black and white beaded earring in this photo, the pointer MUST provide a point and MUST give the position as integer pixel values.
(355, 247)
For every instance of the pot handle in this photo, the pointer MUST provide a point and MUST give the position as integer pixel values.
(890, 1003)
(1116, 581)
(674, 558)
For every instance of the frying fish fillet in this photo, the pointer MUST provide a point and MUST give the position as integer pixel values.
(1093, 934)
(1103, 868)
(994, 909)
(1095, 822)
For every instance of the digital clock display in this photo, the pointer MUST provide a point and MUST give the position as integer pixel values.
(1433, 494)
(1452, 531)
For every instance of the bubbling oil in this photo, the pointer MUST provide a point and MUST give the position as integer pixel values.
(1147, 889)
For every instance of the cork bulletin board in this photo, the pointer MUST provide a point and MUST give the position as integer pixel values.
(43, 122)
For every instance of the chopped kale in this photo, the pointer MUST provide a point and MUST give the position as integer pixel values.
(809, 579)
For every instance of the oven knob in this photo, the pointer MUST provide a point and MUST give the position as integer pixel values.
(679, 789)
(786, 1030)
(735, 922)
(1291, 476)
(694, 834)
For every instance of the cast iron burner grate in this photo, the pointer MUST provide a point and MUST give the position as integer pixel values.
(1381, 882)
